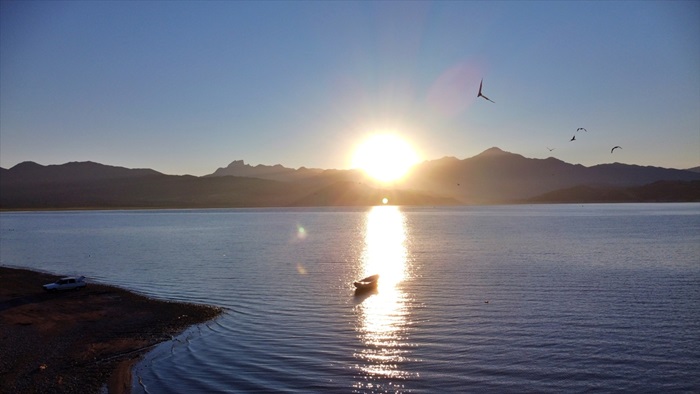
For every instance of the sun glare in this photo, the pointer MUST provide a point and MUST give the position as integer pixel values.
(385, 157)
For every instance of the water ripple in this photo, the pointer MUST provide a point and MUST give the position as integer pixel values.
(543, 299)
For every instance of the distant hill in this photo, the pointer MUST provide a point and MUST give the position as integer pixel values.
(30, 172)
(276, 172)
(661, 191)
(694, 169)
(492, 177)
(496, 176)
(92, 185)
(160, 191)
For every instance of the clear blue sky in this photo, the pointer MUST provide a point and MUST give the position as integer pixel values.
(187, 87)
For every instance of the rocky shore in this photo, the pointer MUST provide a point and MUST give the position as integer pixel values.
(80, 341)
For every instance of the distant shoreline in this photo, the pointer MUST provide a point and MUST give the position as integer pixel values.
(81, 341)
(573, 202)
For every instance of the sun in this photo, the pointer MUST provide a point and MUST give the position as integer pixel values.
(385, 157)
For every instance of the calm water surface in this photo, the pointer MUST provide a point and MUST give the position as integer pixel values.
(544, 298)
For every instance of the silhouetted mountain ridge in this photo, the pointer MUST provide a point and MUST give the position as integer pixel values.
(497, 176)
(275, 172)
(660, 191)
(91, 185)
(491, 177)
(31, 172)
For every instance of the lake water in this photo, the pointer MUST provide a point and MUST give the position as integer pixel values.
(529, 298)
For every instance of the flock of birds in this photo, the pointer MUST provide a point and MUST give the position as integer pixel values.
(480, 94)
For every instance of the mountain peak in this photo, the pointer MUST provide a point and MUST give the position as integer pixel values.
(494, 151)
(237, 164)
(27, 165)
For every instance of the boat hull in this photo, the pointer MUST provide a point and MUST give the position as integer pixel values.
(367, 284)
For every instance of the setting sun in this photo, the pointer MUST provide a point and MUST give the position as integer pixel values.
(385, 157)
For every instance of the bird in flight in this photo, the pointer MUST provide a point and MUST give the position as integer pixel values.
(481, 95)
(550, 149)
(573, 138)
(611, 150)
(581, 128)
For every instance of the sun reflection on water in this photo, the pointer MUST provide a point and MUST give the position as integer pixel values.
(383, 315)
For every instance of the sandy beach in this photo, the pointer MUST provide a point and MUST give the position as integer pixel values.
(80, 341)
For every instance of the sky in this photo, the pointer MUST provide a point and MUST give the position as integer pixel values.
(187, 87)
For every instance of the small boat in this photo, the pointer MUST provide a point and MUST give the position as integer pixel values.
(367, 283)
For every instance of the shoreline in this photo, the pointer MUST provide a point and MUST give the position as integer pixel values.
(252, 207)
(81, 341)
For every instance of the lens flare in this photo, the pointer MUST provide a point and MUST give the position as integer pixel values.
(301, 232)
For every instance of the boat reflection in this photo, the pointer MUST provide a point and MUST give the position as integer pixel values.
(383, 314)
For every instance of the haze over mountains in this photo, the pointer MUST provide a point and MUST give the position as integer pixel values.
(492, 177)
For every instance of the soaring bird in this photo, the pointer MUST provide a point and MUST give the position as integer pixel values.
(611, 150)
(481, 95)
(581, 128)
(573, 138)
(550, 149)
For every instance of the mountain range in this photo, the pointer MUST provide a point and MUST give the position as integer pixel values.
(492, 177)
